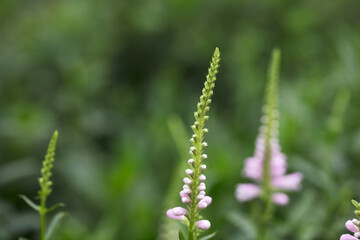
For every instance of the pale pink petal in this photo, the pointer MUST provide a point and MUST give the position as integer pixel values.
(203, 224)
(247, 191)
(280, 198)
(351, 226)
(170, 214)
(288, 182)
(348, 237)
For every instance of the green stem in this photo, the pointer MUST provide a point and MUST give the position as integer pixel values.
(42, 212)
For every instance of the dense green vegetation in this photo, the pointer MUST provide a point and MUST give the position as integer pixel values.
(120, 80)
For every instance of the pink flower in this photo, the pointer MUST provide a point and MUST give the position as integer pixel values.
(351, 226)
(171, 214)
(203, 224)
(253, 168)
(288, 182)
(348, 237)
(247, 191)
(280, 198)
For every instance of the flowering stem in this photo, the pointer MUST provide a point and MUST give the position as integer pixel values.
(270, 119)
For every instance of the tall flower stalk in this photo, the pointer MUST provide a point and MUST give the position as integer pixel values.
(268, 165)
(45, 190)
(193, 194)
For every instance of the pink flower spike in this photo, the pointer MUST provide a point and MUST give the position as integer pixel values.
(351, 226)
(208, 200)
(170, 214)
(348, 237)
(280, 198)
(187, 181)
(202, 204)
(203, 224)
(202, 177)
(179, 211)
(288, 182)
(247, 191)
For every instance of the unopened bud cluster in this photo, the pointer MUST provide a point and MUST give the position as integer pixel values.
(44, 180)
(193, 193)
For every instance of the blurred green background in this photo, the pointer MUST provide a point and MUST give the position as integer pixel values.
(120, 81)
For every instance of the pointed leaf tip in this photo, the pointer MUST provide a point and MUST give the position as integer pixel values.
(181, 236)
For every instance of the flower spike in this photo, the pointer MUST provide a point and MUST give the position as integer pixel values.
(193, 193)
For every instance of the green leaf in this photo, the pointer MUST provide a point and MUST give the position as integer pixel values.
(54, 224)
(181, 236)
(355, 203)
(55, 207)
(243, 223)
(29, 202)
(208, 236)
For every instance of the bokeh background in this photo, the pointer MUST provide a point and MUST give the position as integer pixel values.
(120, 81)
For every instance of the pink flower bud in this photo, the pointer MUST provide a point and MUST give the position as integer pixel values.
(202, 204)
(203, 224)
(202, 177)
(348, 237)
(205, 144)
(200, 197)
(187, 181)
(203, 167)
(204, 156)
(189, 171)
(185, 200)
(183, 194)
(357, 234)
(202, 188)
(178, 211)
(208, 200)
(170, 214)
(351, 226)
(191, 161)
(186, 191)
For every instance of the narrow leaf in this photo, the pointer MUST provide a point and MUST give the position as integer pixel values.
(208, 236)
(55, 224)
(181, 236)
(52, 208)
(29, 202)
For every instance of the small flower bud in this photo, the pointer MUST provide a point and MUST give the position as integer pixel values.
(189, 172)
(204, 144)
(203, 224)
(203, 167)
(202, 188)
(186, 191)
(183, 194)
(187, 181)
(200, 197)
(191, 161)
(204, 156)
(202, 204)
(178, 211)
(185, 200)
(205, 130)
(202, 177)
